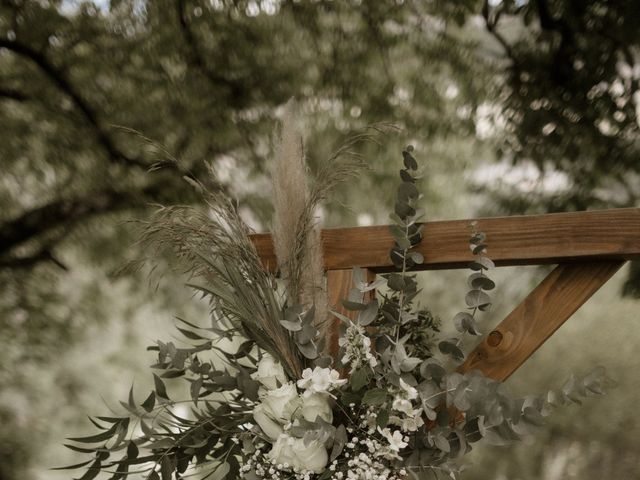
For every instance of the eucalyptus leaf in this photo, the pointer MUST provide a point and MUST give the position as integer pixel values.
(480, 281)
(406, 176)
(403, 210)
(464, 322)
(478, 238)
(308, 350)
(396, 282)
(409, 364)
(324, 362)
(369, 314)
(409, 161)
(482, 263)
(450, 348)
(398, 233)
(339, 441)
(416, 257)
(472, 430)
(355, 306)
(477, 299)
(430, 395)
(442, 443)
(432, 370)
(291, 326)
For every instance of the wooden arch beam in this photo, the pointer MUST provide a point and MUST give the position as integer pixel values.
(588, 246)
(518, 240)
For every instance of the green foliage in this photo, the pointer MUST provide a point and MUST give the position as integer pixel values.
(463, 408)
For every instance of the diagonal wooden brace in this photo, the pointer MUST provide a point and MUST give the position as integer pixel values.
(539, 315)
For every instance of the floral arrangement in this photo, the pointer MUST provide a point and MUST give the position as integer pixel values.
(267, 400)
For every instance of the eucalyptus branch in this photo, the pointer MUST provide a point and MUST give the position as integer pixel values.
(476, 298)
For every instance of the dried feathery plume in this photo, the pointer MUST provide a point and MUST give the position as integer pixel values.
(290, 194)
(296, 240)
(296, 233)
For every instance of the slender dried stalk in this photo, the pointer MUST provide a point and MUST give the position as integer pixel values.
(217, 250)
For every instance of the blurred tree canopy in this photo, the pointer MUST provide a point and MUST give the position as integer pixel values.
(569, 104)
(204, 79)
(571, 97)
(550, 85)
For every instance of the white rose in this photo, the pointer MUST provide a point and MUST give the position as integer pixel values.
(317, 405)
(279, 404)
(270, 427)
(269, 373)
(320, 380)
(281, 452)
(297, 455)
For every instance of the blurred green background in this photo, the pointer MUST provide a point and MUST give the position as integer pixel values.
(513, 106)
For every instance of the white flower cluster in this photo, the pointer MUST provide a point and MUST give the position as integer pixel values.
(357, 348)
(267, 468)
(364, 465)
(282, 407)
(394, 440)
(368, 455)
(409, 419)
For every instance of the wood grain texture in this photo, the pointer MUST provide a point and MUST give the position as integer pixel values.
(339, 284)
(532, 322)
(517, 240)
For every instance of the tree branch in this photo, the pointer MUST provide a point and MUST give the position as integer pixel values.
(13, 94)
(67, 212)
(61, 81)
(45, 254)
